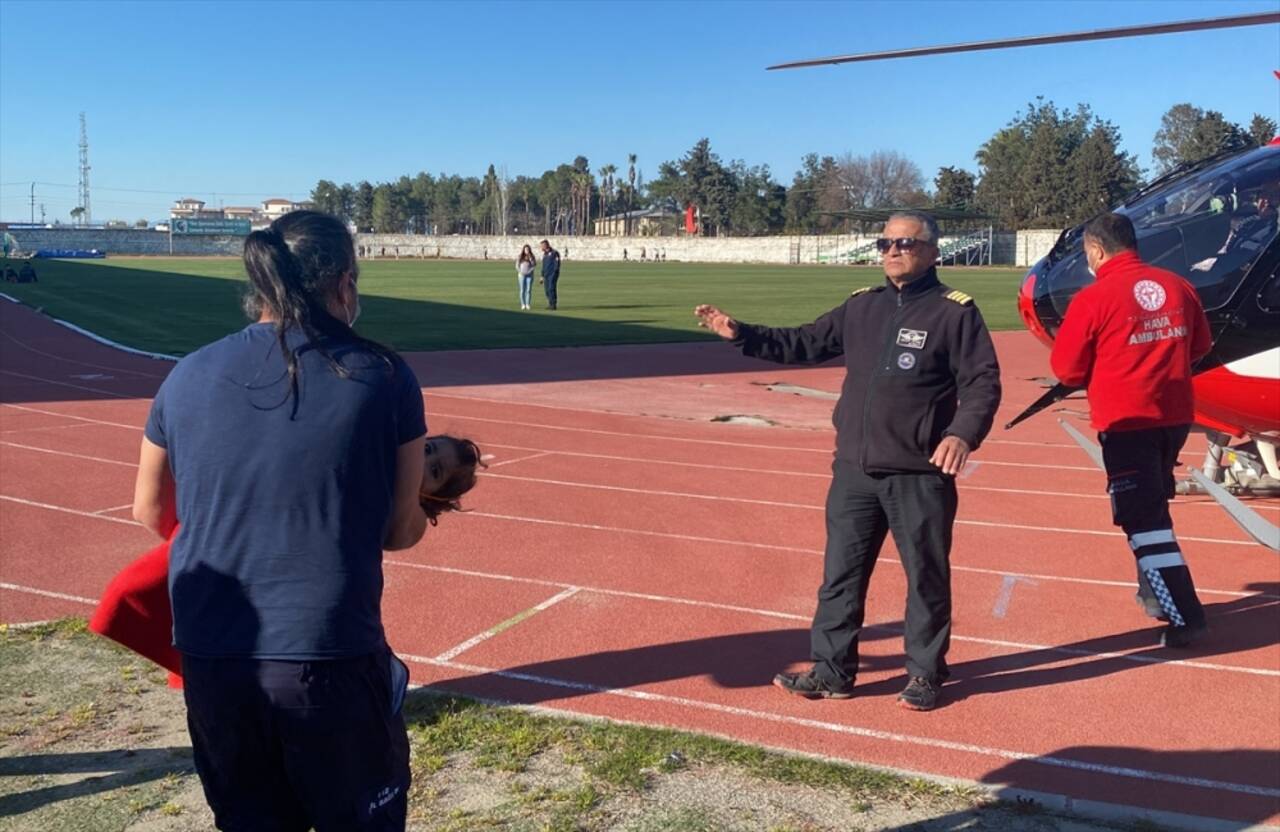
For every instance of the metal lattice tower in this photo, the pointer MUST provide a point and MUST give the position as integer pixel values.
(85, 217)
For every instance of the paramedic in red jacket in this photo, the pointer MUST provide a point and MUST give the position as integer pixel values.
(1130, 339)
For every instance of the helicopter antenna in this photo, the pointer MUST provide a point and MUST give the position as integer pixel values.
(1040, 40)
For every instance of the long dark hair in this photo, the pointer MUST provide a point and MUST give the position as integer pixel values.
(528, 249)
(295, 266)
(449, 496)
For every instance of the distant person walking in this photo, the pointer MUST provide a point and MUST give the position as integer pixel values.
(550, 272)
(293, 451)
(524, 275)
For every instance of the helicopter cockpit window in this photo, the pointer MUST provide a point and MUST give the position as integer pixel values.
(1212, 226)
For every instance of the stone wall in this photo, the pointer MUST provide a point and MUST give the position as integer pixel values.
(1022, 249)
(126, 241)
(781, 250)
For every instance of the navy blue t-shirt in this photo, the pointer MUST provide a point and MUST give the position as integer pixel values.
(282, 509)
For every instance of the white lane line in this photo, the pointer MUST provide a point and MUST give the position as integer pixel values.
(1076, 652)
(720, 442)
(649, 460)
(66, 510)
(854, 730)
(454, 652)
(113, 508)
(43, 380)
(812, 507)
(517, 459)
(744, 544)
(70, 454)
(45, 593)
(135, 428)
(44, 427)
(436, 394)
(24, 345)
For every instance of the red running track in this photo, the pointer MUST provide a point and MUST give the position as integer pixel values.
(629, 558)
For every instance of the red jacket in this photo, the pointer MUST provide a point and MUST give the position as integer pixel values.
(1130, 339)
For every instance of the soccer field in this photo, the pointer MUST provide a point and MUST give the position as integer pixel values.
(174, 305)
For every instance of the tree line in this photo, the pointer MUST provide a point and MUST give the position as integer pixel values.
(1047, 168)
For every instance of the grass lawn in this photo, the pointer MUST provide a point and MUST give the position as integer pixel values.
(174, 305)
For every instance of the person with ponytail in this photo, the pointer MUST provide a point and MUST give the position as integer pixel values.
(293, 452)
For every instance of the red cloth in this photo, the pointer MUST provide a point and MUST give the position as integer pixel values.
(1130, 339)
(135, 611)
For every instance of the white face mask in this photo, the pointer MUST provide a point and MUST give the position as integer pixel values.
(355, 314)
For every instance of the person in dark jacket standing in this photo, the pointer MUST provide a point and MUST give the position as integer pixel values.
(550, 272)
(1130, 339)
(920, 392)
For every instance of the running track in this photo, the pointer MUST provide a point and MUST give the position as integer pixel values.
(628, 558)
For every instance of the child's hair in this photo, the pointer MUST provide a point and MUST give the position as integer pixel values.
(448, 496)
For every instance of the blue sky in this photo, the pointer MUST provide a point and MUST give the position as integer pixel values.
(237, 101)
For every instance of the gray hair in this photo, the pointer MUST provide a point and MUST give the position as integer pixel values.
(927, 221)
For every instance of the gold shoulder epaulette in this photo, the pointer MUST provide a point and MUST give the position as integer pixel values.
(959, 297)
(863, 290)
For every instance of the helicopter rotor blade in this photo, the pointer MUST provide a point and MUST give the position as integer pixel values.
(1040, 40)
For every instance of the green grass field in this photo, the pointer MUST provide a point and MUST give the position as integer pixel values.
(174, 305)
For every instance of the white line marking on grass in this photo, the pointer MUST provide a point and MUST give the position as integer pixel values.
(61, 596)
(454, 652)
(159, 356)
(1074, 652)
(744, 544)
(868, 733)
(70, 454)
(98, 390)
(66, 510)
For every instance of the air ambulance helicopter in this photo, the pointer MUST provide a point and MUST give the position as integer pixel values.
(1215, 222)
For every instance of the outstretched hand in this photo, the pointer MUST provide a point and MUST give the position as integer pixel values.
(716, 320)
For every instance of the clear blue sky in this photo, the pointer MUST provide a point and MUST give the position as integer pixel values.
(237, 101)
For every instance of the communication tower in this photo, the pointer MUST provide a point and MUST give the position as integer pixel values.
(85, 216)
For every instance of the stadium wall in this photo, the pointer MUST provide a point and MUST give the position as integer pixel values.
(1022, 249)
(125, 241)
(781, 250)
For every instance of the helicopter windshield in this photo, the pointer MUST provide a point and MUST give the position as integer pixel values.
(1209, 227)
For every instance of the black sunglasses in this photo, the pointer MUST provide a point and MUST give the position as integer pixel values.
(883, 244)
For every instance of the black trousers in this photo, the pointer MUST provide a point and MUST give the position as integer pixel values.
(288, 746)
(549, 285)
(1140, 481)
(919, 509)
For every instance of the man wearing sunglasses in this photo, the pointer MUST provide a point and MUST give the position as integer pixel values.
(920, 392)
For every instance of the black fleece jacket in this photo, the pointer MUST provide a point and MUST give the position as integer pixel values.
(919, 366)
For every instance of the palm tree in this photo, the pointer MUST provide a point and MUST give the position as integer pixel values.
(631, 190)
(606, 187)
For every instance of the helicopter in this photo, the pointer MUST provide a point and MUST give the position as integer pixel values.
(1214, 222)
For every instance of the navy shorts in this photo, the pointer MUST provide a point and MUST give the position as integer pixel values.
(287, 746)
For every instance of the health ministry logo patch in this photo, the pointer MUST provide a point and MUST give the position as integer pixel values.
(1149, 294)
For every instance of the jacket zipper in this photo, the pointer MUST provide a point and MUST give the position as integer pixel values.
(871, 385)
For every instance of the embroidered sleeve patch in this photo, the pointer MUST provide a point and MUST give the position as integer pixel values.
(959, 297)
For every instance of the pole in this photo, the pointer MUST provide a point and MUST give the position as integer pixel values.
(33, 203)
(171, 236)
